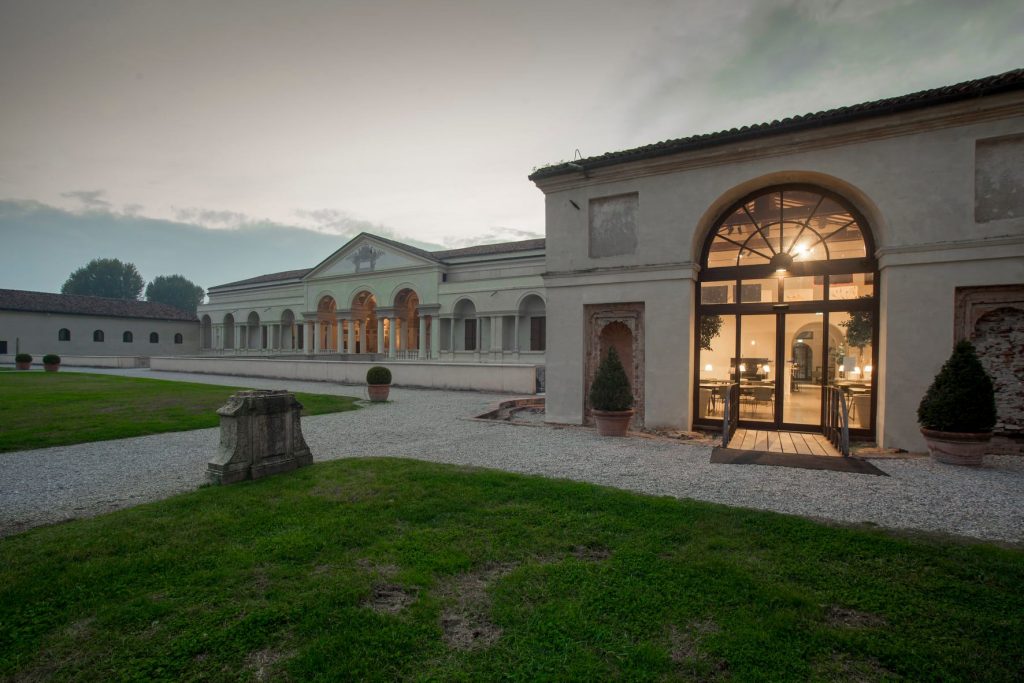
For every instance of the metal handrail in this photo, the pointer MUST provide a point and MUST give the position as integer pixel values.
(837, 420)
(730, 413)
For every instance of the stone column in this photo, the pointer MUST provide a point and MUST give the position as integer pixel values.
(451, 337)
(393, 345)
(496, 336)
(479, 338)
(240, 340)
(308, 341)
(515, 342)
(435, 337)
(316, 336)
(422, 339)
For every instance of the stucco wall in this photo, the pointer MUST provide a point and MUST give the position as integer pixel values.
(36, 333)
(912, 176)
(506, 378)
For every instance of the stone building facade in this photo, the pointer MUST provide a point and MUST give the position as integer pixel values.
(820, 252)
(90, 328)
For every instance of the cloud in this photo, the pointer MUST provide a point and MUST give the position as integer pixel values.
(341, 223)
(212, 218)
(492, 235)
(91, 200)
(735, 64)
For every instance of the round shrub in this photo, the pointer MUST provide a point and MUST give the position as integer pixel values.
(962, 398)
(23, 358)
(610, 390)
(51, 359)
(378, 375)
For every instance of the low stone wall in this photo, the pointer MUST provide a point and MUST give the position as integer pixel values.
(89, 361)
(506, 378)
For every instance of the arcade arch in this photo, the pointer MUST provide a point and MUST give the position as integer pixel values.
(780, 267)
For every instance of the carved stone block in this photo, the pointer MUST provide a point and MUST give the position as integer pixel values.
(260, 435)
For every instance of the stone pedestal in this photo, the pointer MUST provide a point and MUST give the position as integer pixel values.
(260, 435)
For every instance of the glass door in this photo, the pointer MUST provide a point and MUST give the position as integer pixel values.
(756, 366)
(804, 368)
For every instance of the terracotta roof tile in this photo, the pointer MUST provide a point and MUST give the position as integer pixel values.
(73, 304)
(991, 85)
(271, 277)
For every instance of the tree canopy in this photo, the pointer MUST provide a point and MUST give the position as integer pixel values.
(175, 290)
(106, 277)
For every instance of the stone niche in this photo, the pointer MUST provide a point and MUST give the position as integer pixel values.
(621, 326)
(992, 318)
(260, 435)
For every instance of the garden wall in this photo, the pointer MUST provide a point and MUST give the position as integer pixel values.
(506, 378)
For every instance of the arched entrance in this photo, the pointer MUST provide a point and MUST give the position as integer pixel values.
(405, 338)
(363, 325)
(206, 333)
(786, 307)
(229, 331)
(327, 325)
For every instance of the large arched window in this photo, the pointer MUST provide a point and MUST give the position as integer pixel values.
(786, 308)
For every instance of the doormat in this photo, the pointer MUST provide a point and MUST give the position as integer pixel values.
(732, 456)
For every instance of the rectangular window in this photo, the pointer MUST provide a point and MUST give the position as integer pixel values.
(538, 333)
(3, 347)
(470, 340)
(716, 294)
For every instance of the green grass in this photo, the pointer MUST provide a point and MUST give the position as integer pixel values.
(568, 580)
(55, 409)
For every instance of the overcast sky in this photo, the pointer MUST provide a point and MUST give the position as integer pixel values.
(127, 128)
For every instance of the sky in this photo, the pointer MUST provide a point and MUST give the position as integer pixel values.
(223, 139)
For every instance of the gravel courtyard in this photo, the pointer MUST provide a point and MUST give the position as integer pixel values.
(56, 484)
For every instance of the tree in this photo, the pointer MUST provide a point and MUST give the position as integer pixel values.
(710, 327)
(611, 390)
(106, 277)
(175, 290)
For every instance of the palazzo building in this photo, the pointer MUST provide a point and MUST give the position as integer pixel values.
(842, 251)
(379, 299)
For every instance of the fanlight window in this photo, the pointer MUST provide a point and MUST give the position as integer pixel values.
(803, 225)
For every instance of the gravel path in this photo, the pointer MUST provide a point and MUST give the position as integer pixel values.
(56, 484)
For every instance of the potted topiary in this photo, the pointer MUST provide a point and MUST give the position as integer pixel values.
(51, 362)
(611, 398)
(378, 383)
(23, 361)
(959, 410)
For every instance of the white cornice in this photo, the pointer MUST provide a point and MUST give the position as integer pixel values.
(1001, 247)
(686, 270)
(788, 144)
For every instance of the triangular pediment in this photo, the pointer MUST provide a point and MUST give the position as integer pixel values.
(367, 253)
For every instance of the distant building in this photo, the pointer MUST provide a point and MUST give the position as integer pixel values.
(92, 330)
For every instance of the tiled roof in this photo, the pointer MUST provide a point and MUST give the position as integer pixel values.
(991, 85)
(490, 249)
(272, 277)
(438, 256)
(46, 302)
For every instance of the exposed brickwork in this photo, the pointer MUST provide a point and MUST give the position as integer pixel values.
(999, 340)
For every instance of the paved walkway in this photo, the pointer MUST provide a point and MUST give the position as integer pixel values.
(56, 484)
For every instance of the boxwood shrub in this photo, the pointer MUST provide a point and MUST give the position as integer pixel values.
(962, 398)
(51, 359)
(23, 358)
(378, 375)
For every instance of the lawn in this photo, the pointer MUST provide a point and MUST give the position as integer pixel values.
(395, 569)
(54, 409)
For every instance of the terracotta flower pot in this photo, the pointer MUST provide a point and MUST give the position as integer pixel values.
(23, 366)
(612, 422)
(957, 448)
(378, 392)
(51, 367)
